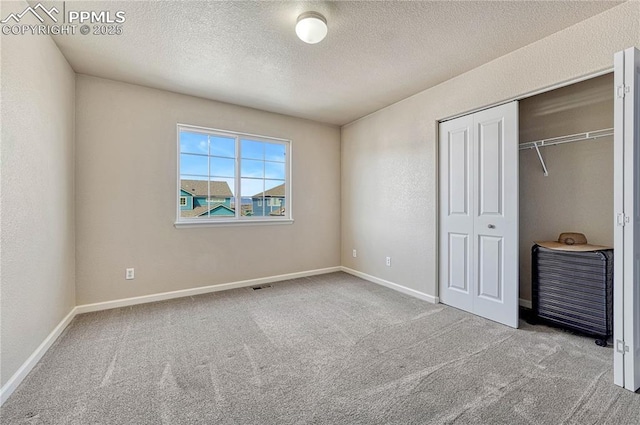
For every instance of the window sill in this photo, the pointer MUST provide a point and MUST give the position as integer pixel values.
(224, 223)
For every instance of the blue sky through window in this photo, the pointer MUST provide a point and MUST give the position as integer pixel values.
(252, 150)
(194, 165)
(274, 152)
(223, 146)
(194, 143)
(222, 167)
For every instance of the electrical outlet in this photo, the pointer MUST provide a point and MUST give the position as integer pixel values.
(129, 274)
(388, 261)
(355, 254)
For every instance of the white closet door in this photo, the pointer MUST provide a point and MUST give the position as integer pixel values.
(456, 212)
(627, 208)
(479, 213)
(496, 214)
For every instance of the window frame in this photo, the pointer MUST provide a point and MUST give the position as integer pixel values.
(238, 219)
(182, 198)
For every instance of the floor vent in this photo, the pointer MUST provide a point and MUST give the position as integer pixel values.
(255, 288)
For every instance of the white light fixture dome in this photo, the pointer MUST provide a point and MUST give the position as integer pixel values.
(311, 27)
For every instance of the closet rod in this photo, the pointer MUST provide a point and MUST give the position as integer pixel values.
(589, 135)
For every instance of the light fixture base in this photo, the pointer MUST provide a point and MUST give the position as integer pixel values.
(311, 27)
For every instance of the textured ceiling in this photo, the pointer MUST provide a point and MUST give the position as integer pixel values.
(247, 53)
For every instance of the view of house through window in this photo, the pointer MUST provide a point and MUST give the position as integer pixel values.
(232, 176)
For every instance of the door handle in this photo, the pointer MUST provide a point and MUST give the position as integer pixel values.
(491, 226)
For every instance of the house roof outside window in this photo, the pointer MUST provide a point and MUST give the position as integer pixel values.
(276, 192)
(203, 210)
(200, 188)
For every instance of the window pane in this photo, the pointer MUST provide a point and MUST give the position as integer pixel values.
(206, 199)
(252, 195)
(192, 185)
(194, 164)
(223, 146)
(221, 202)
(221, 188)
(251, 187)
(247, 207)
(275, 194)
(194, 191)
(222, 167)
(222, 185)
(274, 170)
(251, 168)
(252, 150)
(193, 142)
(274, 152)
(274, 187)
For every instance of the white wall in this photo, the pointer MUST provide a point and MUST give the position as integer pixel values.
(577, 195)
(126, 196)
(389, 158)
(37, 241)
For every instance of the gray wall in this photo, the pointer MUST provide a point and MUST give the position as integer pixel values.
(578, 193)
(126, 196)
(389, 158)
(37, 209)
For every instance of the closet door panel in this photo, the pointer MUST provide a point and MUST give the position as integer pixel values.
(491, 270)
(458, 266)
(496, 218)
(458, 162)
(618, 230)
(490, 152)
(456, 219)
(632, 210)
(626, 331)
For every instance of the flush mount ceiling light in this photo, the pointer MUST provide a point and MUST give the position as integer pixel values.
(311, 27)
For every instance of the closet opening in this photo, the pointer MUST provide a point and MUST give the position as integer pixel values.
(566, 181)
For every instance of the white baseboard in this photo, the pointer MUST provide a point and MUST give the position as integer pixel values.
(525, 303)
(28, 365)
(13, 382)
(125, 302)
(394, 286)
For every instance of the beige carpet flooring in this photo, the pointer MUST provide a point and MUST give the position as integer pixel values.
(330, 349)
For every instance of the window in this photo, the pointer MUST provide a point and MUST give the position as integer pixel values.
(232, 177)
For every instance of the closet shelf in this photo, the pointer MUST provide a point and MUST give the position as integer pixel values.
(589, 135)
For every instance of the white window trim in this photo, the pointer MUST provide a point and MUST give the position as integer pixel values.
(185, 201)
(226, 222)
(239, 219)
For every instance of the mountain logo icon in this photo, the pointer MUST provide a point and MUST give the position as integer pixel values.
(34, 11)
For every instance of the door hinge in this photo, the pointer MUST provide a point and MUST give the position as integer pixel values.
(622, 90)
(621, 347)
(623, 219)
